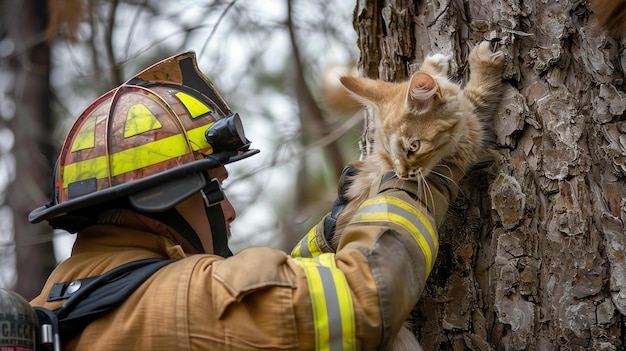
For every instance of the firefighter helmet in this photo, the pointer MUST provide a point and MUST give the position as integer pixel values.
(152, 134)
(19, 322)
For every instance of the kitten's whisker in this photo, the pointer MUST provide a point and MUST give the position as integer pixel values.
(445, 177)
(444, 166)
(432, 197)
(449, 178)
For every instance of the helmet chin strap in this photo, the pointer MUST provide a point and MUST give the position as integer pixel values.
(213, 195)
(218, 230)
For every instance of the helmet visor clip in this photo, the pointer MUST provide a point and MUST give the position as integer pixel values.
(212, 193)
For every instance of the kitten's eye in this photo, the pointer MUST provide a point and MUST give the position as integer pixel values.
(415, 145)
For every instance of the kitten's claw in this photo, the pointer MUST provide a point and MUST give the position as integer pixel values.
(482, 55)
(437, 64)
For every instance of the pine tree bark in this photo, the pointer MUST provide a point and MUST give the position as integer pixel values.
(532, 252)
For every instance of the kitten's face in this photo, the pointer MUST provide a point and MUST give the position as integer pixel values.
(415, 150)
(414, 130)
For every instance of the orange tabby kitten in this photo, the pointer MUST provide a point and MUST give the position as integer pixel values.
(425, 125)
(428, 120)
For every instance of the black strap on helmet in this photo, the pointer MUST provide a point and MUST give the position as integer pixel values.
(213, 196)
(218, 230)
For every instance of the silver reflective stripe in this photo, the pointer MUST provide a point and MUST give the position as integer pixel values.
(331, 300)
(406, 214)
(332, 309)
(391, 210)
(304, 244)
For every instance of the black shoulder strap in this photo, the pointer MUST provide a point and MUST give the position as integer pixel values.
(89, 298)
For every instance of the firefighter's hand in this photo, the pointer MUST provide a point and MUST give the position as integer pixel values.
(330, 221)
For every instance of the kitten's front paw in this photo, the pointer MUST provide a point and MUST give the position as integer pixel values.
(437, 64)
(482, 56)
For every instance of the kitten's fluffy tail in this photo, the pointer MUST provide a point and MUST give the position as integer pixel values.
(612, 15)
(334, 96)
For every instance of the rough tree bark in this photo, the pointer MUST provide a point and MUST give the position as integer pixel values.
(532, 254)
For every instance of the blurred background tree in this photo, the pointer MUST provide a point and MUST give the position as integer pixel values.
(26, 144)
(266, 58)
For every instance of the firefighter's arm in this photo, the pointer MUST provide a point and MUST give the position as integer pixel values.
(356, 298)
(394, 235)
(442, 187)
(391, 242)
(383, 258)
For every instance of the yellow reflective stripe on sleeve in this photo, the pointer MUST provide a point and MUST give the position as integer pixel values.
(307, 247)
(394, 210)
(296, 253)
(331, 299)
(137, 157)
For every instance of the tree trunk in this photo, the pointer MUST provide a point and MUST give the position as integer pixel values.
(532, 253)
(32, 127)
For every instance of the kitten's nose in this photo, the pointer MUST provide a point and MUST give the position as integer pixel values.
(402, 174)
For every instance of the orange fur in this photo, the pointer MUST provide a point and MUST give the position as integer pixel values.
(428, 119)
(420, 124)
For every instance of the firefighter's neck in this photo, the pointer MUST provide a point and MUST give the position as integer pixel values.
(194, 213)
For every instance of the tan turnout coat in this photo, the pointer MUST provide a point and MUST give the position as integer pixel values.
(263, 298)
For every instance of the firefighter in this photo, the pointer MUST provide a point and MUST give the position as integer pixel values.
(139, 178)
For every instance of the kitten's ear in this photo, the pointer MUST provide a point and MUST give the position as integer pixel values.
(424, 92)
(366, 91)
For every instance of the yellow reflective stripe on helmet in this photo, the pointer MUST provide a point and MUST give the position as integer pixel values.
(194, 106)
(86, 137)
(92, 168)
(148, 154)
(392, 209)
(307, 247)
(137, 157)
(140, 120)
(197, 139)
(331, 299)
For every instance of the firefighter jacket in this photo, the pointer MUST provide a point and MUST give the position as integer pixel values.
(353, 299)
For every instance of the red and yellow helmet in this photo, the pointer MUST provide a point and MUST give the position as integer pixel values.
(162, 126)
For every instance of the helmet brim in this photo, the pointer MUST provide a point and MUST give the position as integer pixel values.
(48, 212)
